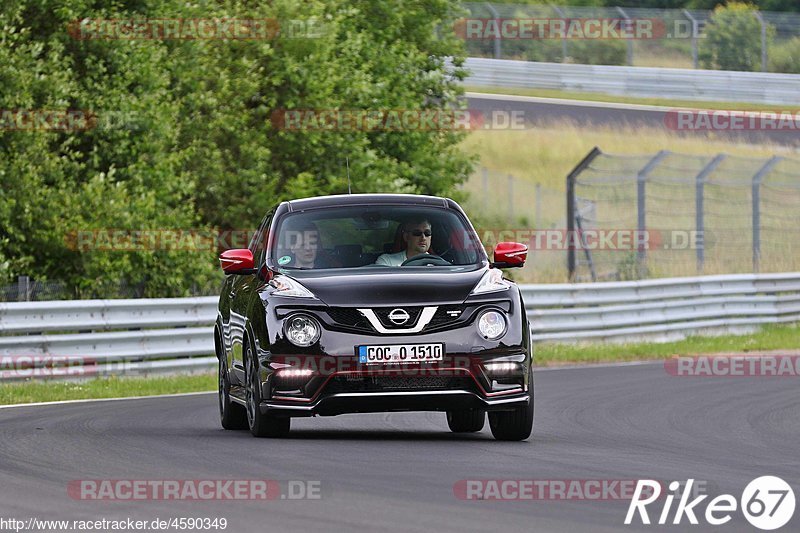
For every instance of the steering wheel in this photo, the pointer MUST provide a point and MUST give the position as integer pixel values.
(426, 259)
(447, 255)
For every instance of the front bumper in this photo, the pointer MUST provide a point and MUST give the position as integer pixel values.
(377, 402)
(457, 382)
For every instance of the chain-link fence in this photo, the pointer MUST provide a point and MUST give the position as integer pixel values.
(506, 207)
(657, 37)
(671, 214)
(505, 198)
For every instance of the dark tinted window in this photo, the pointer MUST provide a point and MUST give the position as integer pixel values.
(356, 237)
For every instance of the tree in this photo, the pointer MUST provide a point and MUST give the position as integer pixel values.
(181, 136)
(733, 39)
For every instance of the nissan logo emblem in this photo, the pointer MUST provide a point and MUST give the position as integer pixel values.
(399, 316)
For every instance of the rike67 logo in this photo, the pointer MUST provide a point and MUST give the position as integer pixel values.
(767, 503)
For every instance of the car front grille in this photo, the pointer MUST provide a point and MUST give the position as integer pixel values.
(397, 383)
(351, 317)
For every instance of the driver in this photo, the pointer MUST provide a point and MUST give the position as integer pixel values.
(417, 239)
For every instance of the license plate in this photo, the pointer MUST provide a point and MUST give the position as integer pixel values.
(400, 353)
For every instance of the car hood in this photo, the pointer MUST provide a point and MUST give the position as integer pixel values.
(378, 287)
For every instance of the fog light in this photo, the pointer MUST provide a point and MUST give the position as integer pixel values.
(295, 372)
(492, 325)
(501, 368)
(302, 330)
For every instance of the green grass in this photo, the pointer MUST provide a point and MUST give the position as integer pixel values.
(113, 387)
(771, 337)
(600, 97)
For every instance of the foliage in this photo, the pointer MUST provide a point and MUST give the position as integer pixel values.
(183, 138)
(785, 57)
(733, 39)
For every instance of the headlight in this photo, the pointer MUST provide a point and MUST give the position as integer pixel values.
(286, 286)
(492, 325)
(302, 330)
(492, 281)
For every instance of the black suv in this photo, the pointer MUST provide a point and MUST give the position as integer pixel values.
(370, 303)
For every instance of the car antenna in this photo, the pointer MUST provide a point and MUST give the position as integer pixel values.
(347, 162)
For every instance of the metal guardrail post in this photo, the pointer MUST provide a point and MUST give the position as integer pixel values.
(695, 31)
(756, 197)
(571, 178)
(700, 181)
(23, 289)
(629, 41)
(641, 213)
(498, 52)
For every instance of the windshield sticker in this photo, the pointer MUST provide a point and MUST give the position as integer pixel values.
(285, 260)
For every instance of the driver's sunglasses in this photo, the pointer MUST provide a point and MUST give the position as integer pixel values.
(420, 233)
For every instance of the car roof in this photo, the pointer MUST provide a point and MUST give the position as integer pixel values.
(365, 199)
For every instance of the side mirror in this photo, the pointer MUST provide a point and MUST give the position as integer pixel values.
(239, 261)
(510, 254)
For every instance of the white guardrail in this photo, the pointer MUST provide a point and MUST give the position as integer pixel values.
(647, 82)
(167, 335)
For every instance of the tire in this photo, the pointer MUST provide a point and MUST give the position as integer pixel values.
(468, 421)
(261, 425)
(231, 414)
(516, 424)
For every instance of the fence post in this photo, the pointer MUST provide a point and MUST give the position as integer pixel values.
(23, 288)
(498, 52)
(485, 184)
(511, 197)
(571, 177)
(758, 177)
(695, 30)
(700, 226)
(641, 213)
(763, 41)
(629, 26)
(563, 38)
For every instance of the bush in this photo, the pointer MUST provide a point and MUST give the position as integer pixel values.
(785, 57)
(733, 39)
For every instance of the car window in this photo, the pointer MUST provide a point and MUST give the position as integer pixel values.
(357, 237)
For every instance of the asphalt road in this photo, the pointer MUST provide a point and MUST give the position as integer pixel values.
(543, 111)
(396, 472)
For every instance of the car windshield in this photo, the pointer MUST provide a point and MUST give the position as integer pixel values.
(367, 237)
